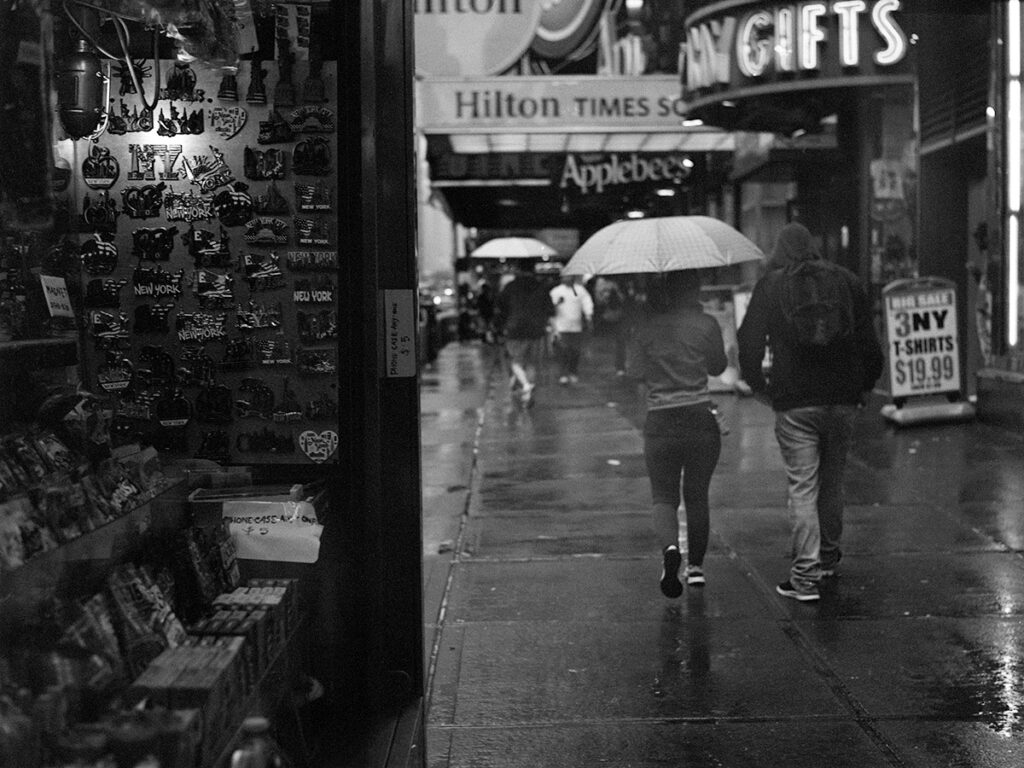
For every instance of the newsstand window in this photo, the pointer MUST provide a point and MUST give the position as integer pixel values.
(169, 363)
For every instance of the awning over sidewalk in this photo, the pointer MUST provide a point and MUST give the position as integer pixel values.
(498, 146)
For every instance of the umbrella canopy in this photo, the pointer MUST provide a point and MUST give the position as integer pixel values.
(661, 244)
(514, 248)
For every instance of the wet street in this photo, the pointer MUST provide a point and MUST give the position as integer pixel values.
(549, 643)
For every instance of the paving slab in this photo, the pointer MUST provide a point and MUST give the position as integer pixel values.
(594, 494)
(814, 743)
(537, 533)
(512, 673)
(935, 668)
(874, 529)
(913, 584)
(597, 588)
(926, 743)
(528, 469)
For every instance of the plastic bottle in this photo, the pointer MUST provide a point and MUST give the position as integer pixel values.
(258, 748)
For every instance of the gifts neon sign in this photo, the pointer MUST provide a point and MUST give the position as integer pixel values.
(790, 39)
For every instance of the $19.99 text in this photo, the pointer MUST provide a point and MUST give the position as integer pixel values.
(924, 371)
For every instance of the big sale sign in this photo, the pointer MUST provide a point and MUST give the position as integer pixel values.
(921, 337)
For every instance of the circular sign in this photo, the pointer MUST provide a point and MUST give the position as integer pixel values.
(564, 26)
(472, 37)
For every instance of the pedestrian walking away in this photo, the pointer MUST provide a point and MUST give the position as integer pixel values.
(523, 311)
(815, 318)
(485, 311)
(611, 309)
(677, 346)
(574, 312)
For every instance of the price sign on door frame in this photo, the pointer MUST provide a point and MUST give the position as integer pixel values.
(921, 337)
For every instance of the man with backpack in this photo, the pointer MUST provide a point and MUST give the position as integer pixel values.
(523, 311)
(814, 317)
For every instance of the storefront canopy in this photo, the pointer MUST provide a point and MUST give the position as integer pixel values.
(511, 151)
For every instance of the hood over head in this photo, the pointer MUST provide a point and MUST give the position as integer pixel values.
(793, 244)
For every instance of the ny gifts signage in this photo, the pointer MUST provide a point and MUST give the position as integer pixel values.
(742, 49)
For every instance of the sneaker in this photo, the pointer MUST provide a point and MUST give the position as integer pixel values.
(670, 584)
(695, 576)
(788, 590)
(563, 380)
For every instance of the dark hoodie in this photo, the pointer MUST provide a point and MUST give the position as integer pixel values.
(796, 381)
(793, 244)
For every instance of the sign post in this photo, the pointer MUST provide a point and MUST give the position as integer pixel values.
(923, 352)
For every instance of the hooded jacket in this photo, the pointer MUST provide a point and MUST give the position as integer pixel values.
(796, 381)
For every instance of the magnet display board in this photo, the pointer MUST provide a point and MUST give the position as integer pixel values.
(210, 254)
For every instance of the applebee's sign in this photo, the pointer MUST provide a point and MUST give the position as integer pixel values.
(586, 175)
(779, 47)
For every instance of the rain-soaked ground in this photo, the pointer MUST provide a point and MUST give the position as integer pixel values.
(549, 644)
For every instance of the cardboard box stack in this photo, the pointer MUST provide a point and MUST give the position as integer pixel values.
(218, 668)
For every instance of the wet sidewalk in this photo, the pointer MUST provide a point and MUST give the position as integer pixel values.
(549, 643)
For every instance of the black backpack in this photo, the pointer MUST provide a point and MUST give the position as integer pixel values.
(817, 305)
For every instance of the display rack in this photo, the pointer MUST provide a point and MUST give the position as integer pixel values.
(273, 687)
(77, 566)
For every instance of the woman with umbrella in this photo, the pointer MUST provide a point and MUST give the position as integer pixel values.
(677, 346)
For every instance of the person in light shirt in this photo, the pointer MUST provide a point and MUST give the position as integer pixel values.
(574, 312)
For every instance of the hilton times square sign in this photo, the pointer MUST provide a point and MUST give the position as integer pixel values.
(463, 45)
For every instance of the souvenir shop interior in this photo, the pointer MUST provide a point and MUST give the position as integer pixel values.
(176, 580)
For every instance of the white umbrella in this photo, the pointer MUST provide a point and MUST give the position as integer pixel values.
(661, 244)
(514, 248)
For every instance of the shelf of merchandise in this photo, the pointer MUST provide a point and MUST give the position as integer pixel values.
(268, 693)
(82, 563)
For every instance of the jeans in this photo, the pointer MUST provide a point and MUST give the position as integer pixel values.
(682, 441)
(814, 442)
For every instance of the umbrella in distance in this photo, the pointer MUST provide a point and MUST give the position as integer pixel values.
(514, 248)
(661, 244)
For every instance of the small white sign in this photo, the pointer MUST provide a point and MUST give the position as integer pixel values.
(57, 299)
(922, 345)
(399, 333)
(283, 531)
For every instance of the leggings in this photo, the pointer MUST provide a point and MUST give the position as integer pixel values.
(686, 441)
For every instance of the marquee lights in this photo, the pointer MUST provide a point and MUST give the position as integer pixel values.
(784, 43)
(753, 47)
(896, 41)
(811, 34)
(849, 29)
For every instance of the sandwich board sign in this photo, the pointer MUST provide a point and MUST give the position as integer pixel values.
(923, 350)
